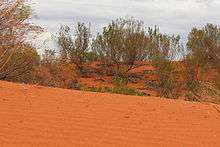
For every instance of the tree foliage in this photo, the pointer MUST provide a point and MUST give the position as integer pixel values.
(73, 47)
(121, 43)
(163, 50)
(14, 30)
(20, 64)
(204, 44)
(204, 50)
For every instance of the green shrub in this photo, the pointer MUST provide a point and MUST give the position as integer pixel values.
(94, 89)
(163, 52)
(91, 56)
(116, 90)
(120, 81)
(192, 98)
(121, 43)
(166, 78)
(191, 74)
(124, 90)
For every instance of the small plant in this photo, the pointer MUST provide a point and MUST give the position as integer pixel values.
(192, 98)
(125, 91)
(116, 90)
(73, 84)
(120, 81)
(94, 89)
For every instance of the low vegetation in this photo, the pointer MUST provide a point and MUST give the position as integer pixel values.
(115, 52)
(116, 90)
(163, 51)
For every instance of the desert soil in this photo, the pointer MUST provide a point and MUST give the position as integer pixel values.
(39, 116)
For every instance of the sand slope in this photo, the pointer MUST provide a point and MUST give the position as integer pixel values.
(40, 116)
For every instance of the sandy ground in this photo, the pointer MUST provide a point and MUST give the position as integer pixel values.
(40, 116)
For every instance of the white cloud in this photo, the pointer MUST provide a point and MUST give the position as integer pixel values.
(173, 16)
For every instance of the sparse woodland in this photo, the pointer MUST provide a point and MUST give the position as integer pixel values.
(110, 58)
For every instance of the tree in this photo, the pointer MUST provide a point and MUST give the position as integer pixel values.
(73, 47)
(163, 51)
(14, 30)
(204, 49)
(205, 44)
(121, 43)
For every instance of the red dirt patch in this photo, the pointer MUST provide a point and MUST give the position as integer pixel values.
(40, 116)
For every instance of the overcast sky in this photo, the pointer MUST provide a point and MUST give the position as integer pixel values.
(172, 16)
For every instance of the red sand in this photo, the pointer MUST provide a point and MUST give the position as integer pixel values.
(40, 116)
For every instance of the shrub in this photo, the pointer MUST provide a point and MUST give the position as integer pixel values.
(163, 50)
(166, 77)
(125, 91)
(191, 74)
(121, 43)
(73, 47)
(116, 90)
(91, 56)
(56, 74)
(73, 84)
(192, 98)
(120, 81)
(21, 64)
(203, 52)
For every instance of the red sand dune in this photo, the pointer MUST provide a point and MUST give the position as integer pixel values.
(40, 116)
